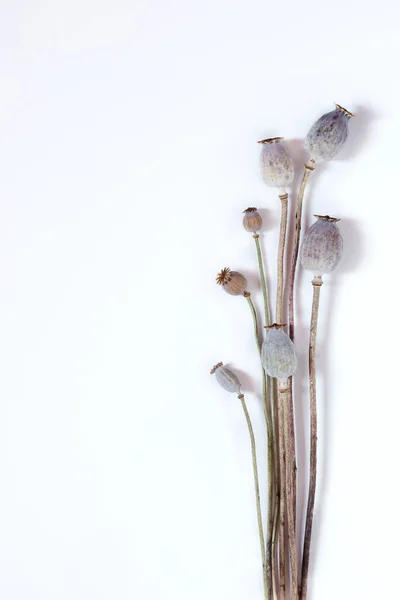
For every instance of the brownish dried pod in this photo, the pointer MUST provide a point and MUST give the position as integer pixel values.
(232, 282)
(252, 220)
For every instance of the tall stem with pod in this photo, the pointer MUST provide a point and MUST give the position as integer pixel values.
(321, 252)
(252, 222)
(279, 361)
(278, 171)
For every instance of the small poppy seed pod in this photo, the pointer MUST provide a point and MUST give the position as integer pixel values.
(232, 282)
(276, 165)
(226, 378)
(328, 134)
(252, 220)
(278, 355)
(322, 246)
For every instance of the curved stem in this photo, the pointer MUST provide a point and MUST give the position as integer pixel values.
(317, 282)
(268, 548)
(257, 490)
(254, 315)
(281, 253)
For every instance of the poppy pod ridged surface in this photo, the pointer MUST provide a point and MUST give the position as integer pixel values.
(328, 134)
(278, 355)
(232, 282)
(226, 378)
(322, 246)
(276, 164)
(252, 220)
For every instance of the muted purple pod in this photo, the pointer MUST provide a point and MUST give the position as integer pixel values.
(276, 164)
(226, 378)
(252, 220)
(328, 134)
(322, 246)
(232, 282)
(278, 355)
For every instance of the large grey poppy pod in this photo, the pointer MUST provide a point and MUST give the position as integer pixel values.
(276, 165)
(328, 134)
(226, 378)
(322, 246)
(278, 355)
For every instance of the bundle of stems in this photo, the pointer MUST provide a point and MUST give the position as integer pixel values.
(280, 534)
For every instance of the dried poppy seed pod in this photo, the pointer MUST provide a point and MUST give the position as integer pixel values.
(232, 282)
(278, 355)
(276, 165)
(322, 246)
(328, 134)
(226, 378)
(252, 220)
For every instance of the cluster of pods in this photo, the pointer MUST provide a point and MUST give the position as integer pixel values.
(320, 252)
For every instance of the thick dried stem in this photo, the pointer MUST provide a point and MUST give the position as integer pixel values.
(257, 490)
(281, 253)
(291, 465)
(284, 392)
(317, 282)
(308, 168)
(296, 242)
(275, 529)
(282, 499)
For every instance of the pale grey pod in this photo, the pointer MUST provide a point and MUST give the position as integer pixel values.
(276, 165)
(322, 246)
(278, 355)
(226, 378)
(328, 134)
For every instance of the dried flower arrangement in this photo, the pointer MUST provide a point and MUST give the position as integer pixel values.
(320, 252)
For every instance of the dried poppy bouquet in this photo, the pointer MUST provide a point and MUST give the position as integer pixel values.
(320, 252)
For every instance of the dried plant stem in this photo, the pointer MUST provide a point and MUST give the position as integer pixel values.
(273, 464)
(291, 462)
(275, 531)
(282, 442)
(282, 479)
(255, 324)
(268, 545)
(317, 282)
(281, 253)
(284, 392)
(308, 168)
(257, 491)
(292, 466)
(262, 277)
(273, 451)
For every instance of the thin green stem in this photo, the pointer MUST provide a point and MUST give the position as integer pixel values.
(257, 491)
(262, 277)
(254, 315)
(269, 409)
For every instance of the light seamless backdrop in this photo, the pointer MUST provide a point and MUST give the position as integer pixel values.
(128, 150)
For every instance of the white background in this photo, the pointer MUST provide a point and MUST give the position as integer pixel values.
(128, 150)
